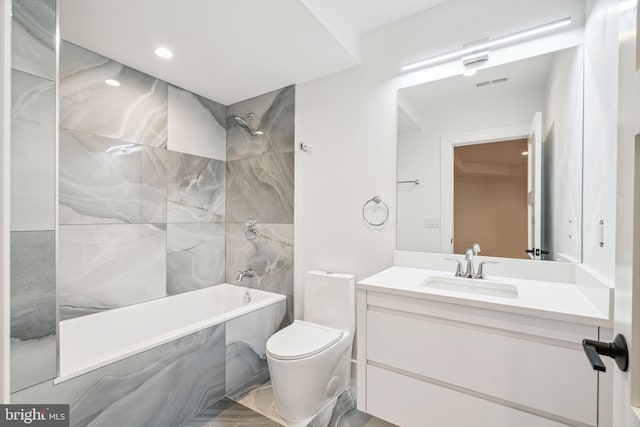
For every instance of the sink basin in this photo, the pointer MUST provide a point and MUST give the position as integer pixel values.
(472, 286)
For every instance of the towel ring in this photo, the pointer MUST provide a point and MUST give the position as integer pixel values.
(378, 201)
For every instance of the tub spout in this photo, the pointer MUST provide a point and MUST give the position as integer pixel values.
(246, 273)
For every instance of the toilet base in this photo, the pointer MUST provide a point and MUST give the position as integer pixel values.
(304, 387)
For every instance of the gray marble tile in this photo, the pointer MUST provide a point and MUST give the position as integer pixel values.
(331, 415)
(273, 116)
(105, 180)
(197, 125)
(33, 308)
(163, 386)
(270, 255)
(227, 413)
(343, 413)
(135, 111)
(262, 188)
(195, 256)
(108, 266)
(246, 343)
(195, 189)
(33, 145)
(33, 37)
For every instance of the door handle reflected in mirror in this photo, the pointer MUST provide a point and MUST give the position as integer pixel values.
(617, 350)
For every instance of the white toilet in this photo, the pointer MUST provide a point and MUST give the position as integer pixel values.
(310, 360)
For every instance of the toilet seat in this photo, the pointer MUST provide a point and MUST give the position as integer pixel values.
(301, 339)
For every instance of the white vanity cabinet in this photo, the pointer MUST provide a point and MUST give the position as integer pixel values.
(424, 362)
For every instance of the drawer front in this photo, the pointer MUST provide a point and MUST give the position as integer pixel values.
(549, 376)
(409, 402)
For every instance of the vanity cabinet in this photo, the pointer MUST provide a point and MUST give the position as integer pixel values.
(424, 362)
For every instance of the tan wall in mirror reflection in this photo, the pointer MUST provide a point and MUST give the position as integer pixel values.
(489, 209)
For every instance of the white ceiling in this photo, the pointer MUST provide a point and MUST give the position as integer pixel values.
(524, 76)
(231, 50)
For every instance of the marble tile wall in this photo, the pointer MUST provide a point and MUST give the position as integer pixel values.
(33, 39)
(33, 267)
(142, 186)
(163, 386)
(109, 265)
(135, 111)
(195, 256)
(260, 177)
(33, 309)
(246, 347)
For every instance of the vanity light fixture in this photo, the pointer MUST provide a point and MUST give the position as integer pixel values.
(112, 82)
(489, 43)
(525, 153)
(163, 52)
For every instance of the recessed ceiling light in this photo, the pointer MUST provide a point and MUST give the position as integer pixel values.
(163, 52)
(524, 153)
(112, 82)
(469, 73)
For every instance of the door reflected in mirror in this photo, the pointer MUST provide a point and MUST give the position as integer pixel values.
(498, 157)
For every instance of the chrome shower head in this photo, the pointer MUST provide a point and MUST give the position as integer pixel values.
(242, 121)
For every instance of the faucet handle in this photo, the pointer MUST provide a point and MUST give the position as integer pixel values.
(480, 274)
(458, 267)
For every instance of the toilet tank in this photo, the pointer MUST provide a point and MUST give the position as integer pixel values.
(329, 299)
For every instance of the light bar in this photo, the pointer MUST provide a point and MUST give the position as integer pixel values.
(510, 38)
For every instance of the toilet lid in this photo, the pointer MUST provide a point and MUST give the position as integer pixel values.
(301, 339)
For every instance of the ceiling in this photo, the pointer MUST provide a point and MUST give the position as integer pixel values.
(231, 50)
(523, 76)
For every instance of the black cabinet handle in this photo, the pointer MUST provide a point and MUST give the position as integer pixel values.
(529, 251)
(617, 350)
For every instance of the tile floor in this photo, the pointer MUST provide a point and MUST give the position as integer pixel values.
(257, 409)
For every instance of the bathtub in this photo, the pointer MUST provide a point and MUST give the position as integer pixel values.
(90, 342)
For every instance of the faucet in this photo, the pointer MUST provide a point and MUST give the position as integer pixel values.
(246, 273)
(458, 272)
(241, 275)
(476, 249)
(480, 274)
(468, 257)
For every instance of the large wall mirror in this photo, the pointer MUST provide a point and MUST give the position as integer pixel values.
(494, 158)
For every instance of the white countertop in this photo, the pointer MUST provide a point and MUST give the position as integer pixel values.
(553, 300)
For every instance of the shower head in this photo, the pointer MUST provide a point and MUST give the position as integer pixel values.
(242, 121)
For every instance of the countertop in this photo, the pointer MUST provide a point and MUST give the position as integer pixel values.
(538, 298)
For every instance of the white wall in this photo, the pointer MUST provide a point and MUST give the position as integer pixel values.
(5, 135)
(562, 115)
(419, 158)
(349, 121)
(600, 134)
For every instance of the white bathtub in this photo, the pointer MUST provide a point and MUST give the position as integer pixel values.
(90, 342)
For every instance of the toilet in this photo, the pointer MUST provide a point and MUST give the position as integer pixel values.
(310, 360)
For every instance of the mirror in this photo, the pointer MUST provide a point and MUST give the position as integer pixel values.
(494, 158)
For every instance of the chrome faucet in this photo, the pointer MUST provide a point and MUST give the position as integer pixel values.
(468, 257)
(481, 274)
(241, 275)
(246, 273)
(458, 272)
(476, 249)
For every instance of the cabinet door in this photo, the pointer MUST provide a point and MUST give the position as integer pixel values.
(545, 375)
(409, 402)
